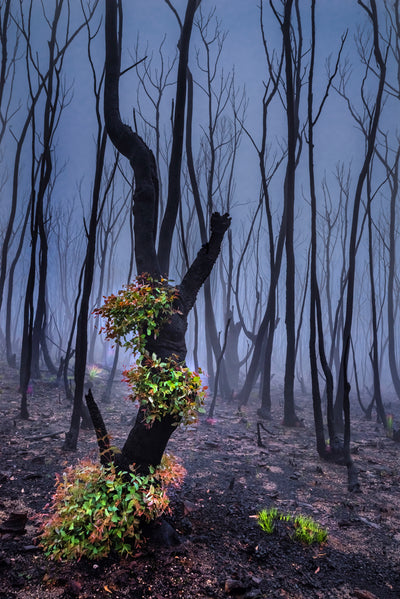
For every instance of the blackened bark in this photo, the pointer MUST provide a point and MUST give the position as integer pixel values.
(174, 173)
(204, 261)
(4, 22)
(343, 392)
(145, 445)
(103, 440)
(290, 418)
(71, 437)
(128, 143)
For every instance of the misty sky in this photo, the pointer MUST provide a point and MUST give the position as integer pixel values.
(337, 138)
(243, 50)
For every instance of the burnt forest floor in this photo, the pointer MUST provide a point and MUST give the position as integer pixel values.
(223, 551)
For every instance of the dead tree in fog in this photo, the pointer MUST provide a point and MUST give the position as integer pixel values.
(154, 83)
(316, 324)
(291, 66)
(21, 138)
(7, 68)
(374, 353)
(109, 228)
(56, 56)
(392, 171)
(41, 172)
(293, 76)
(11, 356)
(7, 111)
(335, 229)
(342, 396)
(219, 148)
(263, 342)
(81, 339)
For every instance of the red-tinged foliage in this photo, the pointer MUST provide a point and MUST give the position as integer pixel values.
(97, 510)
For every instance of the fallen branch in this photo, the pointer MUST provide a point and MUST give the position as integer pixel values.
(261, 426)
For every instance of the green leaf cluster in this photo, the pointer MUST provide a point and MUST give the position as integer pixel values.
(137, 312)
(95, 510)
(166, 388)
(300, 528)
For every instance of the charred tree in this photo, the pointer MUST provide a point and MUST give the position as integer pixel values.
(374, 354)
(316, 325)
(81, 340)
(32, 325)
(145, 446)
(342, 404)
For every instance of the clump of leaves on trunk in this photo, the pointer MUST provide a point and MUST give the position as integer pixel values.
(161, 387)
(137, 311)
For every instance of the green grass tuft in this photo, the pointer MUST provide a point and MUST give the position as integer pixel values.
(299, 528)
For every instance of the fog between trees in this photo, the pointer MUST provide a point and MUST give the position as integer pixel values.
(289, 127)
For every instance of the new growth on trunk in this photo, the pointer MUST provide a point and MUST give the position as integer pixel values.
(145, 444)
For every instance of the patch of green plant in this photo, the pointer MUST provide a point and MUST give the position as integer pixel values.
(95, 510)
(267, 519)
(300, 528)
(308, 531)
(93, 372)
(137, 311)
(165, 387)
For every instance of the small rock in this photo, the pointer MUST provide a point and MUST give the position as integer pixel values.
(233, 586)
(74, 587)
(15, 523)
(163, 534)
(30, 548)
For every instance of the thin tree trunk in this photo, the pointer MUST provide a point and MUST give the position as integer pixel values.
(71, 437)
(343, 395)
(290, 418)
(375, 352)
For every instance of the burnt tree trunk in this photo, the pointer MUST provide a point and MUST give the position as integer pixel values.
(145, 446)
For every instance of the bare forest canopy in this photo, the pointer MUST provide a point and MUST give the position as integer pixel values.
(285, 117)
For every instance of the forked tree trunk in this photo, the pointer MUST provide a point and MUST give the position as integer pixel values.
(145, 445)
